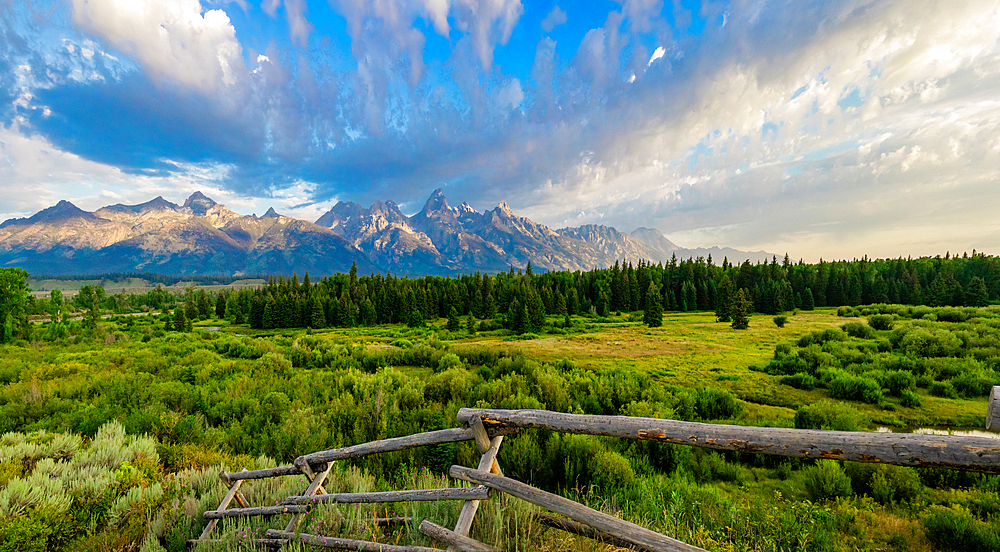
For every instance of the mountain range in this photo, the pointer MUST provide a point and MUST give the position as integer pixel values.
(202, 237)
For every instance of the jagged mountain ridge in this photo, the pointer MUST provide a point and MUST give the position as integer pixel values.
(203, 237)
(200, 237)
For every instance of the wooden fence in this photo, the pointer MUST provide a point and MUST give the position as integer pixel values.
(487, 428)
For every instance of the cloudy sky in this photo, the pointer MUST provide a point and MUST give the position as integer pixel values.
(822, 128)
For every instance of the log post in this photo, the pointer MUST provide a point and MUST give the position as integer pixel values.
(317, 482)
(640, 536)
(470, 507)
(993, 410)
(342, 544)
(483, 441)
(235, 488)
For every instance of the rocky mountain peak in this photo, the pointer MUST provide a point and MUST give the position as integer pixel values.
(436, 203)
(199, 203)
(505, 209)
(61, 211)
(271, 213)
(465, 208)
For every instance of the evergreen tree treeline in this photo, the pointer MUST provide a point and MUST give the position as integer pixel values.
(520, 301)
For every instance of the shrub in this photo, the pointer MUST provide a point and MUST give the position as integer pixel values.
(827, 414)
(898, 381)
(881, 321)
(848, 387)
(955, 528)
(909, 399)
(713, 404)
(827, 480)
(886, 484)
(975, 382)
(943, 389)
(857, 329)
(848, 312)
(780, 320)
(801, 381)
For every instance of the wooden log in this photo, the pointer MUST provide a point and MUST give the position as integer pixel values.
(316, 483)
(257, 511)
(980, 454)
(459, 542)
(387, 445)
(483, 441)
(265, 473)
(457, 493)
(578, 528)
(470, 507)
(993, 410)
(644, 538)
(344, 544)
(235, 488)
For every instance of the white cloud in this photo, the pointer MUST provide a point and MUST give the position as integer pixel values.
(555, 18)
(299, 26)
(752, 149)
(657, 54)
(171, 39)
(511, 94)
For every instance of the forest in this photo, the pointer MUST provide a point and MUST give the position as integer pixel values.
(114, 426)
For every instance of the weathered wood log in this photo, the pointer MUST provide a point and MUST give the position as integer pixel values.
(483, 441)
(578, 528)
(256, 511)
(264, 473)
(417, 495)
(980, 454)
(644, 538)
(233, 489)
(993, 410)
(460, 542)
(344, 544)
(470, 507)
(388, 445)
(317, 481)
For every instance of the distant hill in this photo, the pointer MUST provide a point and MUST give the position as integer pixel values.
(203, 237)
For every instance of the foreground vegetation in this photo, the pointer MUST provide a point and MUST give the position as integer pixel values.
(114, 430)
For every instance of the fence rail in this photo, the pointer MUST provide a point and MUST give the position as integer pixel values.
(487, 428)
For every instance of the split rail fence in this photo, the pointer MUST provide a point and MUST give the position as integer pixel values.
(487, 428)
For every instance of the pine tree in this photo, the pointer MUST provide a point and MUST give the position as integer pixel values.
(415, 320)
(977, 295)
(316, 317)
(220, 305)
(181, 322)
(453, 322)
(270, 318)
(653, 313)
(740, 310)
(724, 300)
(808, 303)
(470, 324)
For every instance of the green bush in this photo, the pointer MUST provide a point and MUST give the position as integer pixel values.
(943, 389)
(909, 399)
(780, 320)
(715, 404)
(898, 381)
(857, 329)
(801, 381)
(886, 484)
(855, 388)
(827, 480)
(881, 321)
(848, 312)
(955, 528)
(827, 414)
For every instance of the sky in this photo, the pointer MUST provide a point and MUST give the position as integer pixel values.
(825, 129)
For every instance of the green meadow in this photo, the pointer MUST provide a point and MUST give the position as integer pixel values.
(113, 435)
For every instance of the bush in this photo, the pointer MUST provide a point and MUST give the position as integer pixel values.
(943, 389)
(881, 321)
(957, 529)
(886, 484)
(854, 388)
(827, 414)
(848, 312)
(714, 404)
(827, 480)
(909, 399)
(780, 320)
(898, 381)
(857, 329)
(801, 381)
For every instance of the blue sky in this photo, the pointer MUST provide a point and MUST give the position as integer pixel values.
(830, 128)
